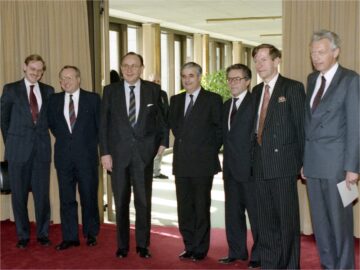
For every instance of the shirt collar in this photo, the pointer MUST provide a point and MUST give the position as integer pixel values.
(75, 94)
(195, 93)
(27, 83)
(137, 85)
(330, 73)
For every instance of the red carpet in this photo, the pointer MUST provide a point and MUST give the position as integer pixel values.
(166, 244)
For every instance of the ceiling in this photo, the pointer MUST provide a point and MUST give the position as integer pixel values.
(191, 16)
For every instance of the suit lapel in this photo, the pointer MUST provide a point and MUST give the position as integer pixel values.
(241, 109)
(310, 91)
(226, 114)
(142, 104)
(24, 99)
(60, 110)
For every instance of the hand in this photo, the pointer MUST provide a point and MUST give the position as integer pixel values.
(302, 173)
(351, 178)
(106, 162)
(161, 150)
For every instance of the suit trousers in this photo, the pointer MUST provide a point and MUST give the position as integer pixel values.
(32, 175)
(87, 180)
(240, 196)
(332, 224)
(193, 206)
(137, 175)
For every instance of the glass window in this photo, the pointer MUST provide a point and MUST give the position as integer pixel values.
(114, 50)
(189, 49)
(132, 32)
(164, 62)
(177, 64)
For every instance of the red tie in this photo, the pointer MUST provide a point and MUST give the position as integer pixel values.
(319, 94)
(263, 110)
(33, 104)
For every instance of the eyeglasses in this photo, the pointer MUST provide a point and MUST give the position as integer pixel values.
(235, 79)
(130, 66)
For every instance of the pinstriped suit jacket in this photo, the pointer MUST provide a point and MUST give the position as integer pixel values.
(19, 132)
(283, 135)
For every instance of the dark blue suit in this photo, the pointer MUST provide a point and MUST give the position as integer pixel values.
(76, 162)
(28, 151)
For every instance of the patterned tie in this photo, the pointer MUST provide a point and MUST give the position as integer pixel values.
(263, 111)
(319, 94)
(33, 104)
(189, 107)
(234, 110)
(72, 115)
(132, 107)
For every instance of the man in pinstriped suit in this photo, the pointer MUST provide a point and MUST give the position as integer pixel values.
(278, 151)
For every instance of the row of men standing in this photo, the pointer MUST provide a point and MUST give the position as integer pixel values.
(264, 141)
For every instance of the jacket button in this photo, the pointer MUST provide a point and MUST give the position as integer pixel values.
(276, 150)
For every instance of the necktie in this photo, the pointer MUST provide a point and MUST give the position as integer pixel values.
(189, 107)
(234, 110)
(72, 115)
(263, 111)
(319, 94)
(33, 104)
(132, 107)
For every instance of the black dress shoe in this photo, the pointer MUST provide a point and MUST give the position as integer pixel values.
(161, 176)
(22, 243)
(121, 253)
(198, 257)
(226, 260)
(67, 244)
(254, 264)
(44, 241)
(91, 241)
(185, 255)
(143, 252)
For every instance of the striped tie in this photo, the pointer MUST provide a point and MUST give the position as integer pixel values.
(33, 104)
(72, 115)
(132, 107)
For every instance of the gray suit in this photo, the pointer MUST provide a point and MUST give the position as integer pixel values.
(332, 149)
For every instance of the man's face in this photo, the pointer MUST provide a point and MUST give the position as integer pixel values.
(323, 56)
(265, 66)
(131, 69)
(236, 81)
(190, 79)
(33, 71)
(69, 82)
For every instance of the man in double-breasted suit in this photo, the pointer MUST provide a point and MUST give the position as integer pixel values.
(331, 149)
(195, 120)
(239, 185)
(26, 137)
(278, 152)
(131, 132)
(74, 121)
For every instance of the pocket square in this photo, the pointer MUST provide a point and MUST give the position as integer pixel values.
(282, 99)
(149, 105)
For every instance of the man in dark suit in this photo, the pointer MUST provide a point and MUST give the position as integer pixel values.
(331, 149)
(239, 185)
(195, 120)
(278, 152)
(73, 117)
(131, 132)
(26, 137)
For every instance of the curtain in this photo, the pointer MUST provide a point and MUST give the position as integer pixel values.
(300, 20)
(58, 31)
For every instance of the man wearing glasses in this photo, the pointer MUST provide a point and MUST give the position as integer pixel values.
(239, 113)
(131, 131)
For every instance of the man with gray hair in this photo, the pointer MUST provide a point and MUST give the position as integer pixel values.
(331, 149)
(195, 120)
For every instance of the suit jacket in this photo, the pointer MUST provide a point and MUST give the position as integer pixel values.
(283, 134)
(238, 140)
(118, 138)
(332, 131)
(19, 132)
(199, 137)
(80, 146)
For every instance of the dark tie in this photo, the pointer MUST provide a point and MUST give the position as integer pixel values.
(72, 116)
(319, 94)
(132, 107)
(33, 104)
(189, 107)
(234, 110)
(263, 111)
